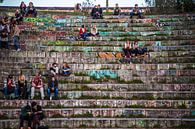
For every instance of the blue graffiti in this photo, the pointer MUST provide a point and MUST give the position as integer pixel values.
(99, 74)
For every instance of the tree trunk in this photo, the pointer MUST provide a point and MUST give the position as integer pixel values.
(106, 5)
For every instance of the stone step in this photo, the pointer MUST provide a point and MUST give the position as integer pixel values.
(113, 38)
(104, 28)
(105, 43)
(134, 67)
(94, 52)
(127, 87)
(132, 95)
(62, 16)
(99, 53)
(26, 29)
(109, 123)
(117, 33)
(89, 60)
(102, 103)
(105, 113)
(117, 20)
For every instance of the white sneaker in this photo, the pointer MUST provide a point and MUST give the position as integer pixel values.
(50, 98)
(18, 49)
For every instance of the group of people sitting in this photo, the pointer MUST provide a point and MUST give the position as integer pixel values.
(135, 11)
(97, 11)
(22, 89)
(133, 50)
(25, 11)
(29, 11)
(33, 114)
(84, 34)
(9, 30)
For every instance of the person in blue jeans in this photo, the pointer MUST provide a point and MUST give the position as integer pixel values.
(16, 36)
(135, 11)
(52, 87)
(10, 87)
(66, 71)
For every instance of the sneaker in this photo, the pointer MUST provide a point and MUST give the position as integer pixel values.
(50, 98)
(18, 49)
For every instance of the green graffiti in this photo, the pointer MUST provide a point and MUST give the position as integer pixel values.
(141, 123)
(29, 19)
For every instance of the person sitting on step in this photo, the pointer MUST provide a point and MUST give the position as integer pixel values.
(83, 32)
(66, 71)
(100, 11)
(135, 50)
(18, 16)
(78, 7)
(52, 87)
(136, 11)
(94, 31)
(97, 12)
(26, 115)
(10, 87)
(37, 83)
(54, 70)
(117, 10)
(23, 8)
(127, 49)
(22, 86)
(31, 11)
(38, 115)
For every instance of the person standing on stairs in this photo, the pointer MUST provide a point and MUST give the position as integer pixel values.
(16, 36)
(37, 83)
(22, 86)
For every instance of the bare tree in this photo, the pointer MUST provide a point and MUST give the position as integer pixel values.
(87, 5)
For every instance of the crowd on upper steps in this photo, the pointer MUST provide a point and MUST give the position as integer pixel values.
(9, 30)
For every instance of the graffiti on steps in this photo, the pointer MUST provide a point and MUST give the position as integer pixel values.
(29, 19)
(110, 55)
(100, 74)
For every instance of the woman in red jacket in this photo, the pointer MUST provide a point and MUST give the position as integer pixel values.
(83, 32)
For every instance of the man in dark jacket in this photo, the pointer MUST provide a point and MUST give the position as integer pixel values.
(26, 115)
(100, 11)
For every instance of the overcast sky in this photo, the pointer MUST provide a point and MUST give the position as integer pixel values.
(71, 3)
